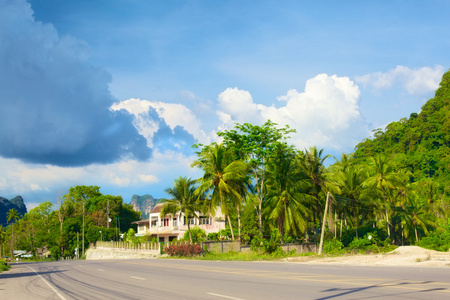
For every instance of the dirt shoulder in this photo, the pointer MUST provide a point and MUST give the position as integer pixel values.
(405, 256)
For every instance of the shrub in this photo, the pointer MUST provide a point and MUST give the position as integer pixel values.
(198, 235)
(4, 267)
(333, 246)
(258, 243)
(435, 241)
(213, 236)
(188, 250)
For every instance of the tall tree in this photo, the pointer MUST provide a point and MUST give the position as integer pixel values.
(184, 200)
(286, 186)
(385, 179)
(312, 163)
(11, 216)
(255, 145)
(224, 181)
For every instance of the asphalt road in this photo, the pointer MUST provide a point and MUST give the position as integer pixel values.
(185, 279)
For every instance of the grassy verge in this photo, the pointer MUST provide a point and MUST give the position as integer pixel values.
(244, 256)
(4, 267)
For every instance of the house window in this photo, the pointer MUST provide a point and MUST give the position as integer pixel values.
(191, 221)
(174, 221)
(204, 220)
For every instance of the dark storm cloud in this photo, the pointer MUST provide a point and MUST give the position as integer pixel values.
(54, 104)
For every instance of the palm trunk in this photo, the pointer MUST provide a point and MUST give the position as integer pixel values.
(231, 227)
(387, 221)
(239, 222)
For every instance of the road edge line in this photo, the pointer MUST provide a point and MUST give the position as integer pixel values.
(54, 289)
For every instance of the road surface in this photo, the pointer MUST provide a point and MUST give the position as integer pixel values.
(212, 280)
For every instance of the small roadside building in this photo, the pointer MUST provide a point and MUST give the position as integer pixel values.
(172, 227)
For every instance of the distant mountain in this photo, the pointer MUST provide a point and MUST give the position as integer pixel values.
(6, 205)
(144, 204)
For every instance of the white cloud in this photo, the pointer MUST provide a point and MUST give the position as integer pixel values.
(127, 176)
(325, 114)
(415, 81)
(173, 114)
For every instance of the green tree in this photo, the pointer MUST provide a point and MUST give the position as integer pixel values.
(312, 163)
(255, 145)
(184, 200)
(2, 239)
(287, 187)
(385, 179)
(12, 216)
(224, 181)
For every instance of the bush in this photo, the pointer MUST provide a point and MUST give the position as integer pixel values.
(188, 250)
(333, 246)
(198, 235)
(213, 236)
(260, 244)
(435, 241)
(4, 267)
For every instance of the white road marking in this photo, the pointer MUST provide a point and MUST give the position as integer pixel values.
(137, 278)
(100, 269)
(224, 296)
(56, 291)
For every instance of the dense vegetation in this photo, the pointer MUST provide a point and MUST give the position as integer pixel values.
(392, 190)
(60, 231)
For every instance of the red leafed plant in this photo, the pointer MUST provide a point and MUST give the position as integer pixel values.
(183, 250)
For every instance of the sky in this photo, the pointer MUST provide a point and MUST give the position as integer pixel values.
(114, 93)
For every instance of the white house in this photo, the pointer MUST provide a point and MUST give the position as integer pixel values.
(174, 226)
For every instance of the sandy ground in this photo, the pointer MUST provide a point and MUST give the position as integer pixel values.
(405, 256)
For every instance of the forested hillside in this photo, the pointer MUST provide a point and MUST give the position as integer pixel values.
(419, 144)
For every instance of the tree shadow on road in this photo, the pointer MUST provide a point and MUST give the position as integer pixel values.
(342, 292)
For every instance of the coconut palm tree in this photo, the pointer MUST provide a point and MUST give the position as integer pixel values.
(415, 215)
(184, 200)
(2, 239)
(287, 190)
(312, 164)
(350, 180)
(385, 179)
(11, 216)
(224, 181)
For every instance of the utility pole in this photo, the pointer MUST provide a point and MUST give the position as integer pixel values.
(323, 224)
(83, 233)
(107, 215)
(78, 245)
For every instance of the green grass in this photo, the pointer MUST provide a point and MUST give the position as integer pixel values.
(4, 268)
(245, 256)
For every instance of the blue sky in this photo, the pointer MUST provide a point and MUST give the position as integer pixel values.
(114, 92)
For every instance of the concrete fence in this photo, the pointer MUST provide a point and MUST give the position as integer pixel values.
(114, 250)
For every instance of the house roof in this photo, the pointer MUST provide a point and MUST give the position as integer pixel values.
(157, 208)
(140, 221)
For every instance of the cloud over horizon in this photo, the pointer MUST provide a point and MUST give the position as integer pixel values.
(55, 103)
(414, 81)
(327, 113)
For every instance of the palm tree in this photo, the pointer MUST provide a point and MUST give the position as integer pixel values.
(184, 200)
(415, 214)
(2, 239)
(312, 164)
(287, 187)
(11, 216)
(385, 179)
(223, 182)
(349, 181)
